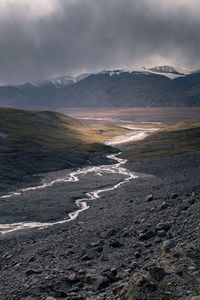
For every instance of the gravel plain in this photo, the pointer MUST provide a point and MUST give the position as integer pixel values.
(120, 236)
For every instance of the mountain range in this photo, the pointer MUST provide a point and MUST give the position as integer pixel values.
(162, 86)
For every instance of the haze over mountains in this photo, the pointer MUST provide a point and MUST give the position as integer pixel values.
(162, 86)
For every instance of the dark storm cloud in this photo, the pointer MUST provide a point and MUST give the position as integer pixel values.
(55, 37)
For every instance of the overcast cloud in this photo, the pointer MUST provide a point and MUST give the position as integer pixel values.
(45, 38)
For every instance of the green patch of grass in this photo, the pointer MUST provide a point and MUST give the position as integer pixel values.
(167, 142)
(96, 147)
(30, 130)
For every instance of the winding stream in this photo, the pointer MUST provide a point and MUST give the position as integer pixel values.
(82, 203)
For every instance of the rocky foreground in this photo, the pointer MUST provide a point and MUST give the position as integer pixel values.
(138, 242)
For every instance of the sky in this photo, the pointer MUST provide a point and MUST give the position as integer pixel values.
(42, 39)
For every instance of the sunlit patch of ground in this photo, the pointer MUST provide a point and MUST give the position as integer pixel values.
(149, 115)
(183, 137)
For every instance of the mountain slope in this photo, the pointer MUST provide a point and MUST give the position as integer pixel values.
(125, 89)
(32, 142)
(176, 139)
(35, 130)
(136, 89)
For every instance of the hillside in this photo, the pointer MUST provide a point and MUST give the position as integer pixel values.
(33, 130)
(146, 88)
(32, 142)
(180, 138)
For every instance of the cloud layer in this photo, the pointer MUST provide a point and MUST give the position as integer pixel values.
(44, 38)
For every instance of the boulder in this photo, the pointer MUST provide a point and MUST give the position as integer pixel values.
(109, 233)
(147, 284)
(147, 234)
(161, 233)
(149, 197)
(157, 273)
(164, 205)
(174, 195)
(90, 254)
(115, 243)
(102, 282)
(163, 226)
(71, 277)
(168, 245)
(32, 271)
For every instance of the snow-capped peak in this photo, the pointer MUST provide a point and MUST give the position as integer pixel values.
(63, 80)
(169, 71)
(165, 70)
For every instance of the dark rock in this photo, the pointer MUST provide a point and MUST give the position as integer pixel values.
(111, 232)
(169, 236)
(119, 286)
(114, 271)
(70, 252)
(137, 254)
(164, 205)
(158, 240)
(71, 277)
(115, 243)
(177, 254)
(147, 235)
(90, 254)
(148, 284)
(98, 249)
(99, 281)
(83, 252)
(31, 272)
(163, 226)
(90, 278)
(147, 244)
(174, 196)
(191, 201)
(98, 243)
(60, 294)
(157, 273)
(133, 265)
(149, 265)
(81, 272)
(168, 245)
(180, 272)
(109, 274)
(31, 259)
(102, 282)
(184, 207)
(149, 197)
(126, 234)
(161, 233)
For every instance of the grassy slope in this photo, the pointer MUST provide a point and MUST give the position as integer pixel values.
(29, 130)
(179, 138)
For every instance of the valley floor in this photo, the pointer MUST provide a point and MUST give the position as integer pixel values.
(122, 235)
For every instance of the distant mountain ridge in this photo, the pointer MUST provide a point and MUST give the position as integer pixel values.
(62, 80)
(162, 86)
